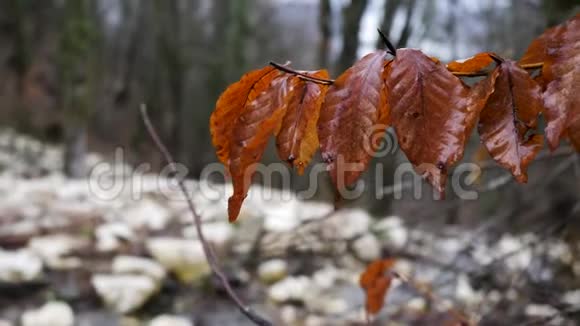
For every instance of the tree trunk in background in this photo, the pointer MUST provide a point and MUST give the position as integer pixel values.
(227, 50)
(407, 28)
(451, 27)
(391, 7)
(557, 11)
(352, 16)
(75, 150)
(77, 72)
(236, 33)
(19, 59)
(325, 25)
(171, 53)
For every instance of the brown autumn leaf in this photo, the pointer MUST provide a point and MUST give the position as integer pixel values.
(474, 64)
(260, 119)
(232, 103)
(298, 138)
(354, 107)
(433, 113)
(537, 51)
(561, 73)
(510, 117)
(375, 282)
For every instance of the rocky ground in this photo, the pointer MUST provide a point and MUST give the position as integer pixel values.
(70, 256)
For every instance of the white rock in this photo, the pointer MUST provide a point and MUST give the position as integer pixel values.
(417, 304)
(289, 314)
(169, 320)
(272, 271)
(561, 251)
(213, 211)
(147, 213)
(482, 254)
(219, 234)
(124, 293)
(53, 249)
(20, 228)
(449, 247)
(5, 323)
(392, 230)
(51, 314)
(19, 266)
(290, 288)
(139, 266)
(541, 310)
(520, 256)
(184, 257)
(75, 209)
(309, 210)
(280, 216)
(367, 247)
(464, 291)
(315, 320)
(347, 223)
(73, 190)
(572, 298)
(129, 321)
(326, 278)
(111, 235)
(327, 304)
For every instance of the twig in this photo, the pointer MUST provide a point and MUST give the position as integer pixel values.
(531, 66)
(207, 249)
(302, 75)
(432, 297)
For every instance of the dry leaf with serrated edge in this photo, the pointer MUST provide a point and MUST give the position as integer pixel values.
(261, 119)
(353, 108)
(510, 118)
(298, 138)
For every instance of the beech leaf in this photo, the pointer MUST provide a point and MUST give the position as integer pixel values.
(471, 65)
(433, 113)
(232, 103)
(260, 119)
(509, 118)
(298, 138)
(353, 108)
(376, 282)
(561, 72)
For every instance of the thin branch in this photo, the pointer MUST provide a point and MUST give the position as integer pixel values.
(426, 293)
(207, 249)
(302, 75)
(531, 66)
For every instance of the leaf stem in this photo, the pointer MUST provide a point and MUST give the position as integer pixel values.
(302, 75)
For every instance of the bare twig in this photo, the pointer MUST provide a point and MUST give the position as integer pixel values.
(207, 249)
(497, 183)
(428, 294)
(302, 75)
(531, 66)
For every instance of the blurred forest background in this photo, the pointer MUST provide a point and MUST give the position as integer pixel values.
(73, 73)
